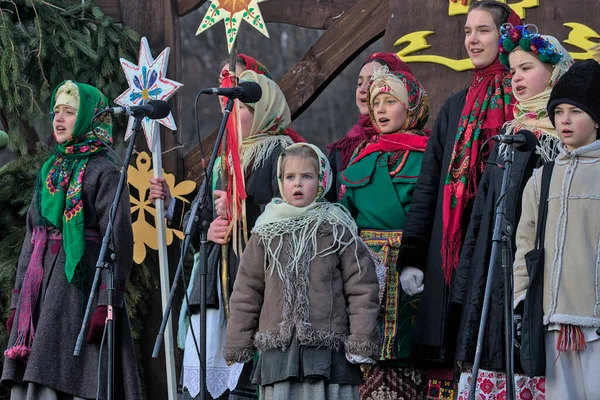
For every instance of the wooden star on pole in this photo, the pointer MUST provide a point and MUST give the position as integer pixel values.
(147, 81)
(232, 12)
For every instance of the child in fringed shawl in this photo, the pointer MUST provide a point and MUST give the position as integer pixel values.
(306, 293)
(65, 225)
(537, 62)
(263, 137)
(341, 151)
(387, 169)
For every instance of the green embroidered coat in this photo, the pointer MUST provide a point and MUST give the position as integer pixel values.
(377, 190)
(375, 199)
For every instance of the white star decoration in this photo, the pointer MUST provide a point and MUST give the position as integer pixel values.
(147, 81)
(233, 11)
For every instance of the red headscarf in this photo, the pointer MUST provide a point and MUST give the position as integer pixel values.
(363, 130)
(254, 65)
(487, 106)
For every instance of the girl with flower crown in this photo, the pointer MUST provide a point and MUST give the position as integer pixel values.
(387, 168)
(536, 62)
(305, 297)
(65, 225)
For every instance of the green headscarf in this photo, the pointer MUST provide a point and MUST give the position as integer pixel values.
(60, 183)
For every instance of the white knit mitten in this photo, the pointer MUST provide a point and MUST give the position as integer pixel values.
(412, 281)
(355, 359)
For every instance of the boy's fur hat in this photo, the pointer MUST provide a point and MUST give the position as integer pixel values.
(580, 87)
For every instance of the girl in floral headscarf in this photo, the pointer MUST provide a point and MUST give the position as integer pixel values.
(65, 225)
(537, 62)
(386, 169)
(342, 150)
(306, 292)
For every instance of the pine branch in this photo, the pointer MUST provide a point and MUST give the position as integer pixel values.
(45, 42)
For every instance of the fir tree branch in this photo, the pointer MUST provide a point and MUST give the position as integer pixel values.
(40, 47)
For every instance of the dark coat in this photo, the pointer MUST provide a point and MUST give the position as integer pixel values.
(471, 276)
(261, 187)
(335, 162)
(61, 305)
(422, 238)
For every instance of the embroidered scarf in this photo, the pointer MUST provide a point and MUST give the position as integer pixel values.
(59, 204)
(300, 225)
(364, 130)
(487, 107)
(253, 64)
(59, 188)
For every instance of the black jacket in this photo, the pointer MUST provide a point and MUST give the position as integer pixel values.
(422, 238)
(471, 276)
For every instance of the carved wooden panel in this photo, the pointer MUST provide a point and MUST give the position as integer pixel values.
(354, 31)
(429, 55)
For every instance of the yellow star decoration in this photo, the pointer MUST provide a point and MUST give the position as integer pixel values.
(143, 211)
(233, 11)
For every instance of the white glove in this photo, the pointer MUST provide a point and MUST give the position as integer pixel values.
(354, 359)
(412, 281)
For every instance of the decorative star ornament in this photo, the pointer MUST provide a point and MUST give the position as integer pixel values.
(147, 81)
(233, 11)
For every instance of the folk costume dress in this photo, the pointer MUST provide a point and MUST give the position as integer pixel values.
(341, 152)
(305, 295)
(65, 225)
(258, 156)
(377, 188)
(471, 275)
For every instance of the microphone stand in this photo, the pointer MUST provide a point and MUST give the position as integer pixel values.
(509, 312)
(197, 215)
(109, 263)
(501, 235)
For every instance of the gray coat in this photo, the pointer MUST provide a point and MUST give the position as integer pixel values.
(330, 301)
(59, 312)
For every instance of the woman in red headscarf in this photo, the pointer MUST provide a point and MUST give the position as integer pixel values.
(451, 170)
(342, 150)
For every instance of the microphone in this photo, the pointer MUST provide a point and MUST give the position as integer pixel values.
(155, 109)
(246, 92)
(523, 140)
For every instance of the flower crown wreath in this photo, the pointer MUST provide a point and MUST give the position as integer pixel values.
(533, 42)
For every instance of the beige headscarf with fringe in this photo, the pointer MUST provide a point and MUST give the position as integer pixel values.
(271, 118)
(299, 225)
